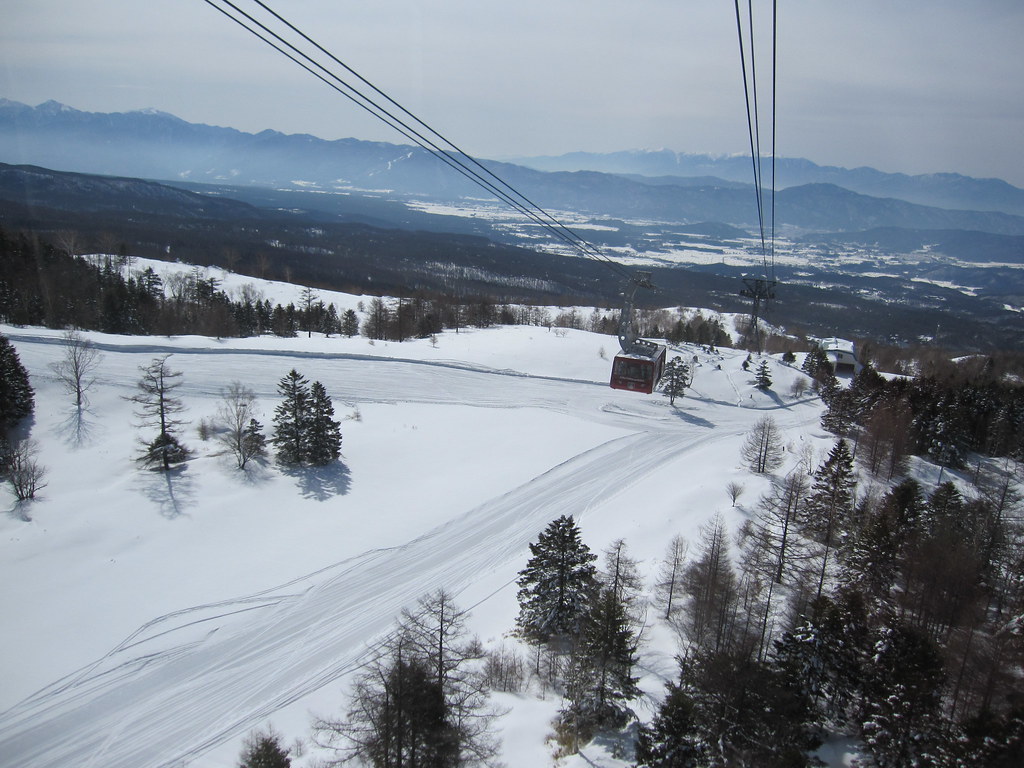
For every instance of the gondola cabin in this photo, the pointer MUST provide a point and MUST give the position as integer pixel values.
(638, 371)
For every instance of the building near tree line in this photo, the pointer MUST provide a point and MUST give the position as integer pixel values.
(843, 356)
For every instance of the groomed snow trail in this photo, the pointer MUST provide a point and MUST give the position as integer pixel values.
(163, 701)
(190, 680)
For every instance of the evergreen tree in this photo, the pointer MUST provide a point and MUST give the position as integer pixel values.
(291, 418)
(829, 508)
(350, 323)
(672, 739)
(675, 379)
(901, 727)
(254, 442)
(264, 750)
(602, 666)
(748, 713)
(557, 584)
(763, 376)
(17, 400)
(323, 434)
(816, 364)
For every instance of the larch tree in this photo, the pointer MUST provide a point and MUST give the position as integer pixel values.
(710, 584)
(762, 448)
(421, 701)
(158, 406)
(668, 587)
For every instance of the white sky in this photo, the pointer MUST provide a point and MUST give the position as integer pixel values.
(915, 86)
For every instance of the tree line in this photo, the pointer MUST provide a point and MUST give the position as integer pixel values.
(41, 284)
(947, 413)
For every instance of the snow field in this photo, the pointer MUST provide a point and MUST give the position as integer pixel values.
(160, 618)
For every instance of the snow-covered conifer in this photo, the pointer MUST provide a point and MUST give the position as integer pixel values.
(291, 418)
(323, 433)
(17, 400)
(557, 584)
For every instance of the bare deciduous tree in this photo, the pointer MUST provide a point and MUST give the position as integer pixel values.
(240, 432)
(21, 467)
(75, 370)
(735, 490)
(762, 450)
(668, 587)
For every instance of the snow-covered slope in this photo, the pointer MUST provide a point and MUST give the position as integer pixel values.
(156, 619)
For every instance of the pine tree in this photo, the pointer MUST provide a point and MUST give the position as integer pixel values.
(350, 323)
(829, 508)
(254, 442)
(671, 740)
(602, 666)
(291, 418)
(17, 400)
(323, 433)
(263, 749)
(901, 726)
(675, 379)
(557, 585)
(763, 376)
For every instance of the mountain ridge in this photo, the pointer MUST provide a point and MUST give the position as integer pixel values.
(154, 145)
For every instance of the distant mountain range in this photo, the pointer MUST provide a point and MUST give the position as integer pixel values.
(942, 190)
(663, 186)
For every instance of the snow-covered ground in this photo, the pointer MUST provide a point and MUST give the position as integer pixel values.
(153, 620)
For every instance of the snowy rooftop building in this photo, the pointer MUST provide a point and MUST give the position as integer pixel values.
(843, 356)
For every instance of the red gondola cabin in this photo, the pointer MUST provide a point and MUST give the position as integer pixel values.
(637, 371)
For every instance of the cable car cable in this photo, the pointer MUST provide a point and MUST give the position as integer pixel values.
(523, 205)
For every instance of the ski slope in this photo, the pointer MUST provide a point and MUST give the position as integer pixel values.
(159, 618)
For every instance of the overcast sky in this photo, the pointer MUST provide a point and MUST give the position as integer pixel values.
(915, 86)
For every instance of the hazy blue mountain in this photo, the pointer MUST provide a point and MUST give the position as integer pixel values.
(156, 145)
(34, 187)
(943, 190)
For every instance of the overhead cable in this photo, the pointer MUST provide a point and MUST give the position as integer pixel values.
(423, 136)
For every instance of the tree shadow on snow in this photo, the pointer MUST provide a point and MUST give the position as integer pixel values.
(78, 429)
(173, 492)
(256, 472)
(322, 483)
(20, 510)
(691, 418)
(619, 744)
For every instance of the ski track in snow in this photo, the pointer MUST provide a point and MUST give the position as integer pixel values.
(190, 680)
